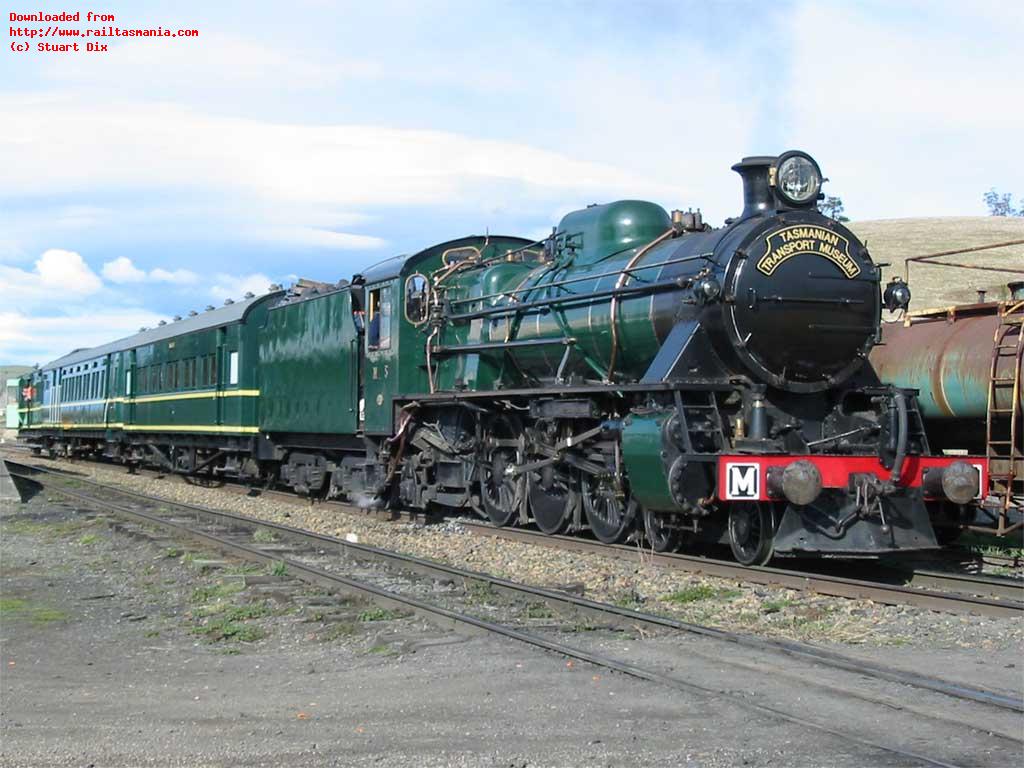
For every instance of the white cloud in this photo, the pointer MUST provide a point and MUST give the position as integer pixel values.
(56, 273)
(123, 270)
(227, 286)
(143, 146)
(26, 339)
(321, 238)
(179, 276)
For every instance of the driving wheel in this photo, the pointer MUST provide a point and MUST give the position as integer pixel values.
(501, 488)
(552, 497)
(609, 515)
(751, 532)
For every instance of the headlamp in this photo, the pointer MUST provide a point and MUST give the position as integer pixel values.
(896, 295)
(797, 178)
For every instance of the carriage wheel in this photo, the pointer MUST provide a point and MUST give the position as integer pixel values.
(501, 490)
(660, 535)
(609, 515)
(552, 498)
(751, 532)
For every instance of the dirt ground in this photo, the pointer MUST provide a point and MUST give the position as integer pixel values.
(121, 651)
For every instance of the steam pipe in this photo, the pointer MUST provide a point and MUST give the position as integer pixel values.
(901, 440)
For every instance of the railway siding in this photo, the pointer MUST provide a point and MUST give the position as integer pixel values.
(914, 732)
(720, 602)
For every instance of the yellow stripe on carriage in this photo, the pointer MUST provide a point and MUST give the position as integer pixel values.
(208, 394)
(220, 429)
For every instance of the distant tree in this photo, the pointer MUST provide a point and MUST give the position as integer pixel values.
(1002, 205)
(833, 207)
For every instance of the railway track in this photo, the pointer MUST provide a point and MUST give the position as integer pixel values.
(235, 535)
(945, 591)
(961, 601)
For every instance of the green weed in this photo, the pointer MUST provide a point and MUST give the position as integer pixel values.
(222, 628)
(481, 592)
(380, 614)
(279, 568)
(219, 591)
(700, 592)
(13, 608)
(539, 611)
(774, 606)
(339, 630)
(264, 536)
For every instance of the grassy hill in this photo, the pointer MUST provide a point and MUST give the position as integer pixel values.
(893, 240)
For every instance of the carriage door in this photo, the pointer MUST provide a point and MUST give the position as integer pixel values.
(130, 386)
(380, 371)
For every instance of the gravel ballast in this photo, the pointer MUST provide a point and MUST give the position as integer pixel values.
(724, 603)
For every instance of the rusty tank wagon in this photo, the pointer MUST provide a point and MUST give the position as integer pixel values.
(965, 362)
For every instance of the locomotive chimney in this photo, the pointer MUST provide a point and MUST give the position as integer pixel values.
(757, 194)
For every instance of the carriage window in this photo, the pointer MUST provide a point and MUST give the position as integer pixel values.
(378, 320)
(416, 299)
(127, 382)
(233, 368)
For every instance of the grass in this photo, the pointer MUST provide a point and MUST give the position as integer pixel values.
(539, 611)
(481, 592)
(218, 591)
(775, 606)
(279, 569)
(991, 546)
(936, 286)
(15, 609)
(380, 614)
(264, 536)
(700, 592)
(339, 630)
(173, 552)
(382, 649)
(242, 569)
(223, 628)
(218, 618)
(52, 530)
(89, 538)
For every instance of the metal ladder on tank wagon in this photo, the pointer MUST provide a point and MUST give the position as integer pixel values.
(1003, 425)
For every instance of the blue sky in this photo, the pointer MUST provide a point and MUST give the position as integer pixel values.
(313, 138)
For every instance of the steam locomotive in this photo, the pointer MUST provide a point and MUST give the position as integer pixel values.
(634, 373)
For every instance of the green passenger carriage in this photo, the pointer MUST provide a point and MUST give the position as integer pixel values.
(174, 395)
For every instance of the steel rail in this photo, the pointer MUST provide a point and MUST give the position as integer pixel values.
(604, 611)
(968, 583)
(824, 584)
(473, 625)
(972, 586)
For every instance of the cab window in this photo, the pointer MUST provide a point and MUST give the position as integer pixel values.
(378, 320)
(416, 299)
